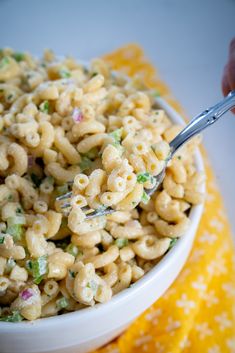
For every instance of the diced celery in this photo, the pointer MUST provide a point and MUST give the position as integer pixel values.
(14, 317)
(143, 177)
(121, 242)
(145, 198)
(62, 303)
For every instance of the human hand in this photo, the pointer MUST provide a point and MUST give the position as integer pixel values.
(228, 80)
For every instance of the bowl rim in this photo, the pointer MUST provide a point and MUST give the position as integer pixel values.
(92, 312)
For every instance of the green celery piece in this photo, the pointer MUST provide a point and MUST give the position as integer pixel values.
(64, 73)
(16, 231)
(9, 265)
(38, 268)
(72, 249)
(62, 303)
(116, 134)
(18, 219)
(4, 62)
(36, 180)
(85, 164)
(121, 242)
(172, 243)
(44, 107)
(92, 154)
(18, 56)
(145, 198)
(62, 189)
(14, 317)
(143, 177)
(93, 286)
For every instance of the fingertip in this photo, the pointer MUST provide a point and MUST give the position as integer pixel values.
(225, 84)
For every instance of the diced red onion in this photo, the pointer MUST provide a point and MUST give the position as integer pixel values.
(77, 115)
(26, 294)
(30, 161)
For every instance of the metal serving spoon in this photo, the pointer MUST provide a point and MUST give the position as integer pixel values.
(196, 125)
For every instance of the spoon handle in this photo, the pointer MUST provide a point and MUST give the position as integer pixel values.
(202, 121)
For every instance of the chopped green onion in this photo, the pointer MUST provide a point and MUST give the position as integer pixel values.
(85, 164)
(101, 208)
(94, 74)
(64, 222)
(36, 180)
(16, 231)
(10, 197)
(121, 242)
(64, 73)
(62, 303)
(38, 268)
(72, 273)
(93, 286)
(18, 56)
(18, 219)
(10, 264)
(2, 238)
(14, 317)
(50, 180)
(172, 243)
(44, 107)
(62, 189)
(92, 154)
(117, 135)
(179, 157)
(143, 177)
(156, 93)
(145, 198)
(4, 62)
(63, 243)
(9, 97)
(19, 210)
(72, 249)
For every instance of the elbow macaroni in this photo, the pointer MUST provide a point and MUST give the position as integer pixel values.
(64, 128)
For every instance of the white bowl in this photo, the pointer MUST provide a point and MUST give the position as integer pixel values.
(90, 328)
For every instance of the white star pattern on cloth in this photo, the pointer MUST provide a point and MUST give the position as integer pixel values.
(210, 197)
(185, 303)
(153, 316)
(229, 289)
(113, 350)
(222, 214)
(203, 330)
(231, 344)
(185, 343)
(199, 285)
(210, 298)
(169, 292)
(160, 348)
(214, 349)
(215, 223)
(143, 340)
(196, 255)
(209, 238)
(217, 267)
(172, 326)
(223, 321)
(183, 275)
(212, 184)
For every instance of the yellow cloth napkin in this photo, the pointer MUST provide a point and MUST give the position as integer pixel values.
(197, 313)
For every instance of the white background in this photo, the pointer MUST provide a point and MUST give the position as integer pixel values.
(187, 40)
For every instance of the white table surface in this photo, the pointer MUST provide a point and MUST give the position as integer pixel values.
(187, 41)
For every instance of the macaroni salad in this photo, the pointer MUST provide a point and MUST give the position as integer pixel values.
(65, 127)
